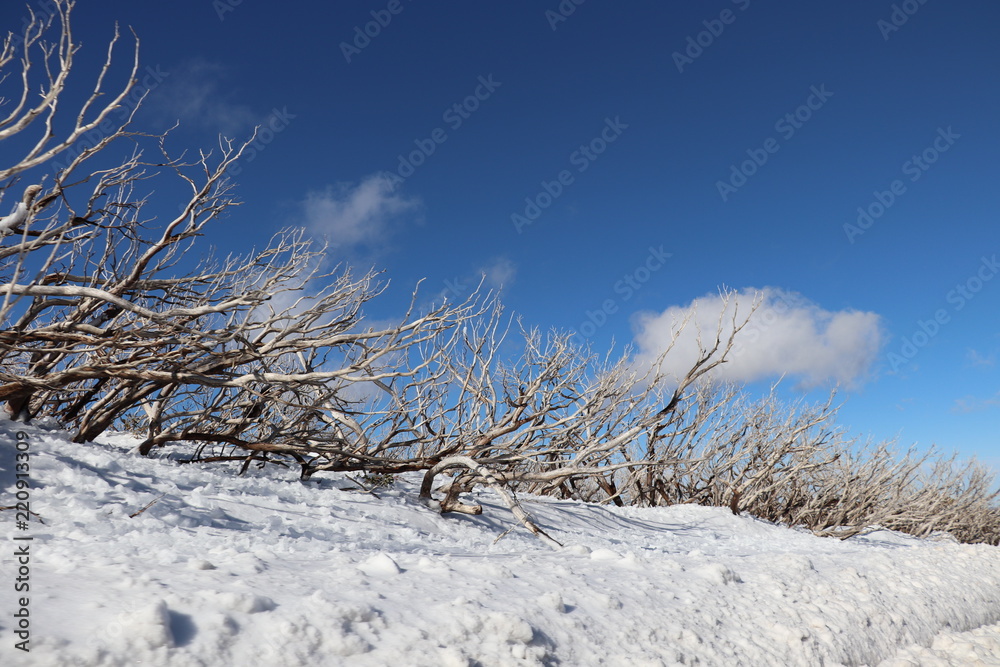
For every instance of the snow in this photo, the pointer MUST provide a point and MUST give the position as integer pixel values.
(977, 647)
(16, 217)
(268, 570)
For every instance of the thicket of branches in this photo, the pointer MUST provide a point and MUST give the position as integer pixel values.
(268, 358)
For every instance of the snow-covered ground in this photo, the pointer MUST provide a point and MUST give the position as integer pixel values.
(267, 570)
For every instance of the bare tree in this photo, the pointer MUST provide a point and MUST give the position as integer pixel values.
(269, 357)
(53, 66)
(99, 321)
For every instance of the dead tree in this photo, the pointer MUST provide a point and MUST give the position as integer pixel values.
(268, 356)
(100, 320)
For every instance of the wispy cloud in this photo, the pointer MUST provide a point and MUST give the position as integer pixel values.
(981, 360)
(498, 273)
(968, 404)
(352, 215)
(495, 275)
(195, 94)
(787, 335)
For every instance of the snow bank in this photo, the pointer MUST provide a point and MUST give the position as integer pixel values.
(267, 570)
(977, 647)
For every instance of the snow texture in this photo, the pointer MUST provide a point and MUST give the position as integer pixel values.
(269, 570)
(15, 219)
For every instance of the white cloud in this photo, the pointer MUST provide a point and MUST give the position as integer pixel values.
(352, 215)
(498, 273)
(787, 335)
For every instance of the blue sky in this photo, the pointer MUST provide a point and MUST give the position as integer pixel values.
(670, 149)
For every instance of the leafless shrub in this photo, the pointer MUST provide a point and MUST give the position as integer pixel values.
(791, 465)
(267, 358)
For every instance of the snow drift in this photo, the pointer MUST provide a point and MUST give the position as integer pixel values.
(268, 570)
